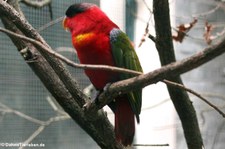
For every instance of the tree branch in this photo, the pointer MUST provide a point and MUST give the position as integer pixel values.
(185, 64)
(36, 4)
(57, 80)
(178, 96)
(51, 23)
(66, 60)
(196, 94)
(39, 4)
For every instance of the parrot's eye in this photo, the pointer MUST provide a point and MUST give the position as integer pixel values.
(77, 8)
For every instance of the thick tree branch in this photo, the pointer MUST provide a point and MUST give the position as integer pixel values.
(99, 128)
(179, 97)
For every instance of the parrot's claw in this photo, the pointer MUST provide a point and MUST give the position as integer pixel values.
(106, 86)
(95, 99)
(87, 105)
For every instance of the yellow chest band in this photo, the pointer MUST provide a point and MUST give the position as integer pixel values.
(83, 38)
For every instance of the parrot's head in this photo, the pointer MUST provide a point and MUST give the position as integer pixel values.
(85, 17)
(74, 12)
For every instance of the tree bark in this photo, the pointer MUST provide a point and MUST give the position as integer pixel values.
(179, 97)
(57, 79)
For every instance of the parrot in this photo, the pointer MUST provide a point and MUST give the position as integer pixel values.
(99, 41)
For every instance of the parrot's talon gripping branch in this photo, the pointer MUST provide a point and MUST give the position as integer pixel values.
(87, 105)
(106, 93)
(88, 90)
(105, 89)
(98, 102)
(91, 104)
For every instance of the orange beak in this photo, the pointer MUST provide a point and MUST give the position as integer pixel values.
(64, 23)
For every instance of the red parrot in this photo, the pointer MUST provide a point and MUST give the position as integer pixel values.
(98, 40)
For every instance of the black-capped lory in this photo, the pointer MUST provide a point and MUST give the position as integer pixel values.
(99, 41)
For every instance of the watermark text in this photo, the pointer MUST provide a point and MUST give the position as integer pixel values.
(5, 144)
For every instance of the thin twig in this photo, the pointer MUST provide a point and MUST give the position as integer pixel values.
(36, 4)
(42, 124)
(50, 24)
(159, 145)
(146, 34)
(208, 12)
(42, 127)
(146, 5)
(194, 93)
(208, 110)
(214, 95)
(7, 109)
(67, 61)
(156, 105)
(33, 136)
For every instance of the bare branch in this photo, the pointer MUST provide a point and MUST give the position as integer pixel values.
(194, 93)
(42, 124)
(6, 109)
(53, 22)
(36, 4)
(66, 60)
(156, 145)
(39, 4)
(180, 99)
(204, 14)
(146, 5)
(33, 136)
(145, 34)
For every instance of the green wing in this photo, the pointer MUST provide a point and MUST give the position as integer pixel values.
(125, 57)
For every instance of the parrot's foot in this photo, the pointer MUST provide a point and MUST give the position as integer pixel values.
(88, 105)
(95, 99)
(106, 86)
(91, 106)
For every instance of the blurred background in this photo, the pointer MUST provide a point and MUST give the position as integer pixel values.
(29, 114)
